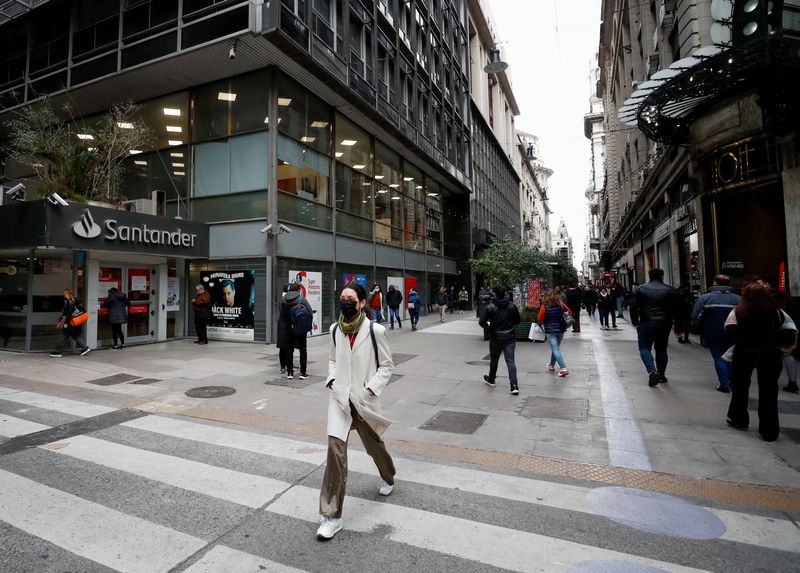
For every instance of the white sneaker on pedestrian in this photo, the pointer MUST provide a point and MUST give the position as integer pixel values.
(386, 488)
(86, 351)
(328, 527)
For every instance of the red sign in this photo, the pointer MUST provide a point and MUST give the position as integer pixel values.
(782, 277)
(139, 309)
(410, 283)
(534, 293)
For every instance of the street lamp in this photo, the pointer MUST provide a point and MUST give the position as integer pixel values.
(495, 65)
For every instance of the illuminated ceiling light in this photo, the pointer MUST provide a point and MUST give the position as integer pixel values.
(140, 162)
(173, 142)
(395, 198)
(134, 151)
(91, 148)
(226, 96)
(174, 128)
(308, 139)
(349, 142)
(366, 184)
(284, 101)
(394, 185)
(176, 154)
(338, 154)
(408, 178)
(319, 124)
(172, 111)
(177, 164)
(433, 194)
(359, 166)
(379, 177)
(179, 173)
(125, 125)
(382, 191)
(418, 187)
(85, 136)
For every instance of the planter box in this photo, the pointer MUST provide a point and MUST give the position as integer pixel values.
(521, 331)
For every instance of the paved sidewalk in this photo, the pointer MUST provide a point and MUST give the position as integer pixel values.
(603, 422)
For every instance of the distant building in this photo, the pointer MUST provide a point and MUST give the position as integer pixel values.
(562, 243)
(594, 130)
(534, 208)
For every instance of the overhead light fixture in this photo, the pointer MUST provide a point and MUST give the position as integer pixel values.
(394, 185)
(134, 151)
(91, 149)
(359, 166)
(308, 139)
(495, 65)
(174, 128)
(284, 101)
(418, 187)
(349, 142)
(379, 177)
(85, 136)
(338, 154)
(408, 178)
(179, 173)
(319, 124)
(226, 96)
(173, 142)
(395, 198)
(125, 125)
(172, 111)
(433, 194)
(366, 184)
(382, 191)
(176, 154)
(140, 162)
(177, 164)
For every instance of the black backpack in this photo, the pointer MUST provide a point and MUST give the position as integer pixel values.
(372, 336)
(300, 318)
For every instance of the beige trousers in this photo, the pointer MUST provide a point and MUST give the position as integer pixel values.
(334, 484)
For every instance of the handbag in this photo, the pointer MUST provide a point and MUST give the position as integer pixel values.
(78, 317)
(566, 318)
(410, 305)
(536, 333)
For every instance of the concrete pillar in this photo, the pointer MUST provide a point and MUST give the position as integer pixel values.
(791, 207)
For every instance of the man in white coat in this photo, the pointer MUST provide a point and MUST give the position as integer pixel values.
(360, 366)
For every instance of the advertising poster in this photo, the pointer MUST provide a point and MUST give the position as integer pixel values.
(357, 278)
(534, 294)
(398, 284)
(173, 294)
(232, 304)
(311, 287)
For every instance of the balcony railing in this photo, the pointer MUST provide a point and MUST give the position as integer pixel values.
(294, 27)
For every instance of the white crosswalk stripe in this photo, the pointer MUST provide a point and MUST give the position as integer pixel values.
(11, 427)
(63, 405)
(223, 559)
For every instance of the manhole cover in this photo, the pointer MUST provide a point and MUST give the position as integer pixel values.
(113, 379)
(784, 406)
(399, 358)
(454, 422)
(210, 392)
(576, 409)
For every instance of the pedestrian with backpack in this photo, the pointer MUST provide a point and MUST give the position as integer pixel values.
(360, 367)
(294, 323)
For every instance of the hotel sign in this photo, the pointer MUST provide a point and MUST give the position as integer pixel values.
(744, 162)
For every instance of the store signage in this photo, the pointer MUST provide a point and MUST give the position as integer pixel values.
(744, 162)
(87, 228)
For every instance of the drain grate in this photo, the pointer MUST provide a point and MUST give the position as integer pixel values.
(576, 410)
(113, 379)
(455, 422)
(210, 392)
(784, 406)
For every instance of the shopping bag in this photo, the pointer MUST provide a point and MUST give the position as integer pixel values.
(78, 318)
(536, 333)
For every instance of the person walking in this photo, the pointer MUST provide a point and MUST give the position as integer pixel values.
(413, 304)
(393, 300)
(551, 317)
(484, 299)
(70, 331)
(619, 297)
(293, 327)
(683, 319)
(463, 299)
(652, 313)
(606, 307)
(590, 300)
(574, 296)
(360, 367)
(201, 305)
(708, 320)
(784, 302)
(375, 300)
(500, 318)
(761, 332)
(117, 304)
(441, 301)
(452, 299)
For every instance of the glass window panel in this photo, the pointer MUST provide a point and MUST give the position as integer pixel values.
(168, 117)
(235, 105)
(387, 166)
(230, 207)
(157, 171)
(388, 207)
(295, 209)
(348, 224)
(352, 146)
(14, 299)
(304, 117)
(302, 171)
(353, 191)
(248, 162)
(211, 169)
(388, 235)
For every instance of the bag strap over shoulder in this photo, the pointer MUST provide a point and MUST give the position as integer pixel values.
(371, 335)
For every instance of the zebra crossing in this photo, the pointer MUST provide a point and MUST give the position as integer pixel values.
(160, 493)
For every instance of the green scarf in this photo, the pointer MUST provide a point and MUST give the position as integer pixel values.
(353, 326)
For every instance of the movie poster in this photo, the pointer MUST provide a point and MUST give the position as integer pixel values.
(311, 288)
(173, 294)
(232, 304)
(358, 278)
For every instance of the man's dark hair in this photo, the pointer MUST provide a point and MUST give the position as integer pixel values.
(227, 283)
(722, 280)
(294, 287)
(769, 279)
(656, 274)
(499, 291)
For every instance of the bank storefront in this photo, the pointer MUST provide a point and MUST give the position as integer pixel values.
(46, 248)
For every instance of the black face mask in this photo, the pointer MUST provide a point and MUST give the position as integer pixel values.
(348, 308)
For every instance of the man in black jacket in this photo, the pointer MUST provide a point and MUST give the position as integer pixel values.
(393, 299)
(653, 311)
(500, 318)
(574, 296)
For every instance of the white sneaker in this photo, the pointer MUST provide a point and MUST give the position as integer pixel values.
(87, 351)
(386, 488)
(329, 527)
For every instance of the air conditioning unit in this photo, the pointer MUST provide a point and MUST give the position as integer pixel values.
(145, 206)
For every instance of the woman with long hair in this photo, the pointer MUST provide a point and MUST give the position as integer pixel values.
(359, 368)
(550, 314)
(605, 306)
(68, 331)
(761, 330)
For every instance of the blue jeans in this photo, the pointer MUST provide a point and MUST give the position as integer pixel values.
(413, 314)
(506, 347)
(394, 313)
(554, 340)
(650, 335)
(376, 315)
(722, 367)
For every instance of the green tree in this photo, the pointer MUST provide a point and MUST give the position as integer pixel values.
(78, 161)
(510, 263)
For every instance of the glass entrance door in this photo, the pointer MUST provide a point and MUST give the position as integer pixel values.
(140, 294)
(108, 277)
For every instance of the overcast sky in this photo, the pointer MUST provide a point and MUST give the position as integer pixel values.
(550, 48)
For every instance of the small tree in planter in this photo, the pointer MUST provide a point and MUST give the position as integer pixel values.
(79, 162)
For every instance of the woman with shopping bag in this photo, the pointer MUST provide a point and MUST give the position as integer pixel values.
(555, 317)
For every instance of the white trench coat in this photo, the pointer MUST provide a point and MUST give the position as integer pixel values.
(353, 371)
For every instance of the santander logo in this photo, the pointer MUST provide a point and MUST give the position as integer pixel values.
(86, 227)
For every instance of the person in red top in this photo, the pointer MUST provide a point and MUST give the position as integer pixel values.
(375, 301)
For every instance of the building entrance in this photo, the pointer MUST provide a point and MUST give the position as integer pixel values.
(137, 282)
